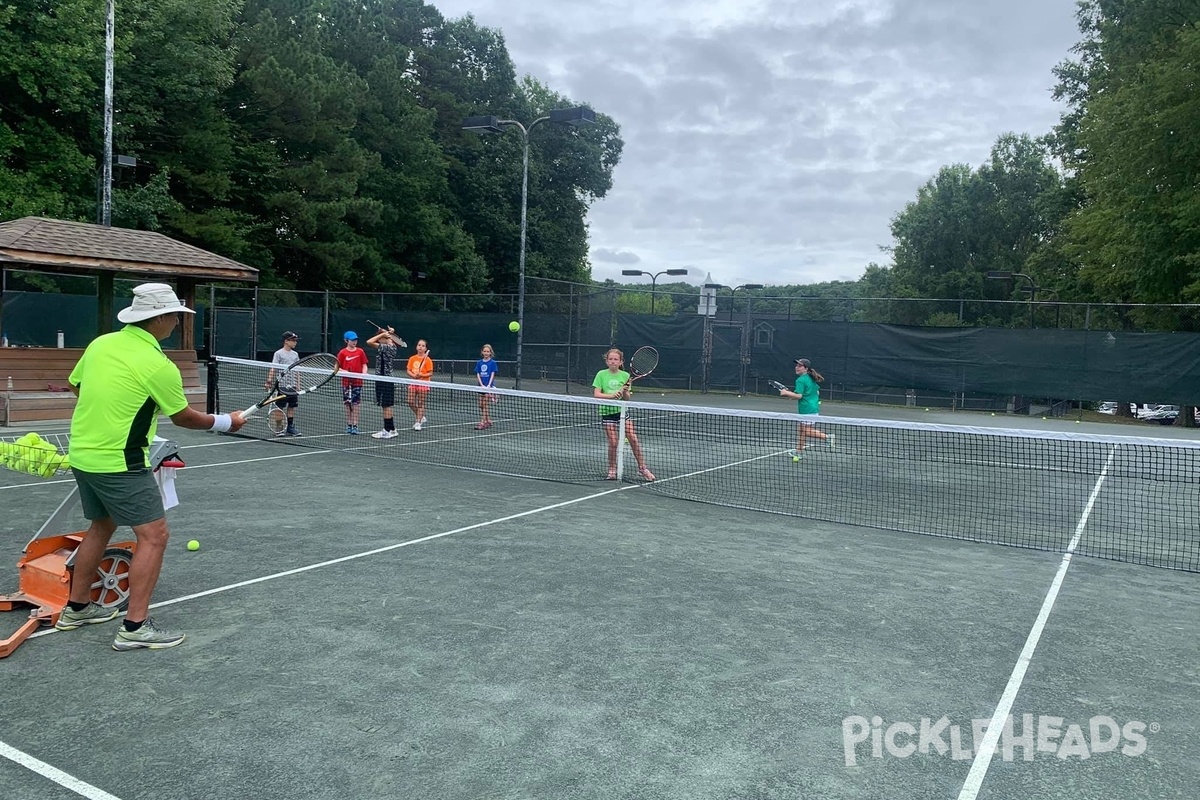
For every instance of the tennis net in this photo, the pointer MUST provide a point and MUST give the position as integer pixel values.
(1133, 499)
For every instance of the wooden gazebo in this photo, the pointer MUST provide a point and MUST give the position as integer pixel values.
(80, 248)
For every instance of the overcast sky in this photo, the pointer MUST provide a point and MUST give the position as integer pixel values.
(772, 141)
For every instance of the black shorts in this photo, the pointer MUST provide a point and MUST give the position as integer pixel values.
(290, 401)
(611, 419)
(385, 394)
(129, 498)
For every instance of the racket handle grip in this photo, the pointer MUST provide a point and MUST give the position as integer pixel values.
(251, 410)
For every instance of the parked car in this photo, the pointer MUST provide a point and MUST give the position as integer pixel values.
(1163, 415)
(1107, 407)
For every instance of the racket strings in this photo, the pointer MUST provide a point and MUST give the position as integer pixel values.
(644, 361)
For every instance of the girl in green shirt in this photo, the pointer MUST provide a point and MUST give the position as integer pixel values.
(808, 404)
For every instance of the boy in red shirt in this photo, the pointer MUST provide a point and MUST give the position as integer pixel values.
(352, 358)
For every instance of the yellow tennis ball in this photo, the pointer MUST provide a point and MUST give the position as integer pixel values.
(193, 545)
(514, 326)
(927, 409)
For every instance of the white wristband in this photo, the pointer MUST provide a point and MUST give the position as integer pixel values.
(221, 423)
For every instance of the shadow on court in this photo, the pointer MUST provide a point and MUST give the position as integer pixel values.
(617, 645)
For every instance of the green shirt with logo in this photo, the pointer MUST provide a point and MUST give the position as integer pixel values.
(609, 382)
(125, 381)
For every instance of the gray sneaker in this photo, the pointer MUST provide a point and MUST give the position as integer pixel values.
(149, 636)
(91, 614)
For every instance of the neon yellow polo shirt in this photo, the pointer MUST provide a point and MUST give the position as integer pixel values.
(125, 380)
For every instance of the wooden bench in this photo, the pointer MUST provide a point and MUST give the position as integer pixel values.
(38, 372)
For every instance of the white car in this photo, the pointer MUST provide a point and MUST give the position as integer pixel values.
(1163, 415)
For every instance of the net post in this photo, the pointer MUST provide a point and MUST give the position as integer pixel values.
(212, 401)
(621, 442)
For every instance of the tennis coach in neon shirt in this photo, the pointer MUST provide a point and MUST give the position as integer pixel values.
(123, 382)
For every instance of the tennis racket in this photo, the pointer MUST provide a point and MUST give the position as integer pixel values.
(309, 373)
(276, 420)
(643, 362)
(779, 386)
(399, 342)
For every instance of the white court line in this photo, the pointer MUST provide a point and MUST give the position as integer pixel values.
(987, 748)
(69, 782)
(431, 537)
(92, 793)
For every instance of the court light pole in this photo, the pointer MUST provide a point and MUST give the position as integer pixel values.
(733, 293)
(1005, 275)
(107, 165)
(491, 124)
(653, 279)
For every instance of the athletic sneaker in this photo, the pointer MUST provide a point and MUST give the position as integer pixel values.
(646, 473)
(283, 433)
(149, 636)
(91, 614)
(483, 426)
(385, 434)
(416, 426)
(349, 429)
(423, 420)
(293, 432)
(612, 475)
(354, 430)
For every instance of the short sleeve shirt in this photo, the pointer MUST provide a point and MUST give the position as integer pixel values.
(283, 359)
(810, 395)
(352, 361)
(125, 381)
(609, 382)
(385, 357)
(421, 366)
(486, 370)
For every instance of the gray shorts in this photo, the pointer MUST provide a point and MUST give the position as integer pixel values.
(130, 498)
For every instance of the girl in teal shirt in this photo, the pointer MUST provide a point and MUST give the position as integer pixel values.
(808, 404)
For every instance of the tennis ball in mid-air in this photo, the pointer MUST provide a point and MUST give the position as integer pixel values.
(795, 459)
(193, 545)
(514, 326)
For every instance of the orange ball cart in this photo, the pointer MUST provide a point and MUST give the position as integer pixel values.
(46, 567)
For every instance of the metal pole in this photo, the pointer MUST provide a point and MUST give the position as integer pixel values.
(653, 281)
(521, 266)
(106, 168)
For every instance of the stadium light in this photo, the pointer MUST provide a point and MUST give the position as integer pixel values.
(1004, 275)
(492, 124)
(653, 276)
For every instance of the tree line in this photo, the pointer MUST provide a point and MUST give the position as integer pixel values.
(320, 141)
(316, 140)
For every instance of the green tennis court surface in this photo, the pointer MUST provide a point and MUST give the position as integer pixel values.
(375, 627)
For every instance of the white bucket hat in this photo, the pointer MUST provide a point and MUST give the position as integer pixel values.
(152, 300)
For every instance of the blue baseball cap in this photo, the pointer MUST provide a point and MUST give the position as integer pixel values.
(350, 335)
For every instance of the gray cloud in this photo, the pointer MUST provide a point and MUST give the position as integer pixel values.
(774, 141)
(614, 256)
